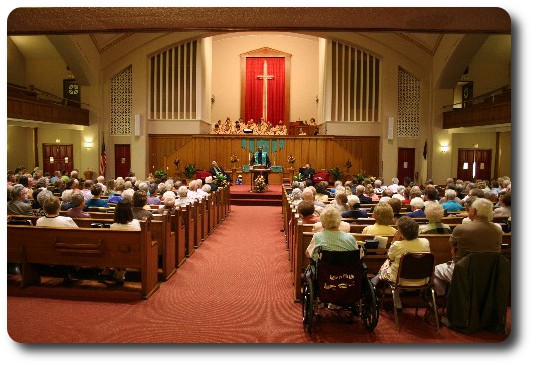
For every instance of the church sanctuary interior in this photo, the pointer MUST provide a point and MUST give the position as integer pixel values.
(241, 110)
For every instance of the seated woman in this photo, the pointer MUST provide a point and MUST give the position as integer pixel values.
(370, 192)
(139, 202)
(340, 203)
(451, 203)
(96, 201)
(505, 208)
(51, 206)
(406, 241)
(434, 213)
(417, 204)
(123, 220)
(354, 211)
(182, 198)
(169, 206)
(78, 202)
(321, 194)
(330, 238)
(306, 211)
(396, 205)
(383, 214)
(296, 196)
(153, 198)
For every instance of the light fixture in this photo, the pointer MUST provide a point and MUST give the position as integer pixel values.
(58, 141)
(444, 148)
(66, 159)
(88, 144)
(51, 159)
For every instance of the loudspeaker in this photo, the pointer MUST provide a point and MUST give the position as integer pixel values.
(137, 125)
(390, 128)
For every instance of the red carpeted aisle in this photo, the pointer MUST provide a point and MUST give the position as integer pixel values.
(236, 288)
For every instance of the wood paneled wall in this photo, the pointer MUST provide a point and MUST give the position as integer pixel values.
(322, 152)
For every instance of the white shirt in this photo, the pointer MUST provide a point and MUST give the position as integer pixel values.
(132, 225)
(58, 221)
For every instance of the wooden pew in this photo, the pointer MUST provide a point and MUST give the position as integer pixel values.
(205, 217)
(190, 229)
(32, 246)
(163, 234)
(197, 212)
(181, 218)
(212, 212)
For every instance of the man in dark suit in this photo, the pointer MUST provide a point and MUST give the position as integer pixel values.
(307, 172)
(359, 192)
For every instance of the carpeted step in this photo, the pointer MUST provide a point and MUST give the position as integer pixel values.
(256, 202)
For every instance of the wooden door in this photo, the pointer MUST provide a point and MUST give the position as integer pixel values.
(122, 160)
(482, 166)
(58, 157)
(474, 164)
(405, 163)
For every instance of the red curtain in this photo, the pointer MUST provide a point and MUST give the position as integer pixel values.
(275, 89)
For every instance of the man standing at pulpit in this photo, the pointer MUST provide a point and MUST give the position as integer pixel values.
(260, 157)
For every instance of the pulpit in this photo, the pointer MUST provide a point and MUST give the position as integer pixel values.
(256, 171)
(298, 128)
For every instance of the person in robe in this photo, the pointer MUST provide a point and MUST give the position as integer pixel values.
(260, 157)
(307, 171)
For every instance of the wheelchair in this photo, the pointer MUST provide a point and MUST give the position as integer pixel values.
(340, 279)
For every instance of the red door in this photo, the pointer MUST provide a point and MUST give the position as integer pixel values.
(57, 157)
(122, 160)
(474, 164)
(406, 163)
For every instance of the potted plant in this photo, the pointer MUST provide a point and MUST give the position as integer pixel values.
(160, 175)
(190, 170)
(335, 173)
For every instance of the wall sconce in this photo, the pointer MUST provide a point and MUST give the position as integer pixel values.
(88, 144)
(66, 159)
(444, 148)
(58, 141)
(51, 159)
(475, 146)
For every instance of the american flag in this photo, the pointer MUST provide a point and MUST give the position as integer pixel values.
(103, 159)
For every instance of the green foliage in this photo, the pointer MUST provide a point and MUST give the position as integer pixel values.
(190, 170)
(160, 174)
(336, 173)
(298, 177)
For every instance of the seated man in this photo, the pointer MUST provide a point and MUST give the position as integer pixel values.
(307, 171)
(17, 206)
(354, 211)
(360, 190)
(215, 170)
(479, 235)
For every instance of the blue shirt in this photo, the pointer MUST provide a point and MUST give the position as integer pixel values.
(96, 202)
(452, 206)
(116, 198)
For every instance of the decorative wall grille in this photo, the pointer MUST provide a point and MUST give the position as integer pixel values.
(121, 103)
(409, 109)
(355, 84)
(173, 83)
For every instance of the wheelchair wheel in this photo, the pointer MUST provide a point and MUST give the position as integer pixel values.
(307, 305)
(369, 312)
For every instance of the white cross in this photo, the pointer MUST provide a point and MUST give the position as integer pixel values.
(265, 78)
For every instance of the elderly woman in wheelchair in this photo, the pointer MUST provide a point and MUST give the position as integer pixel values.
(336, 275)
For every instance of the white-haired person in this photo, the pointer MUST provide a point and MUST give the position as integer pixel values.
(17, 206)
(65, 199)
(206, 188)
(200, 192)
(330, 237)
(183, 196)
(116, 195)
(192, 192)
(434, 213)
(394, 185)
(450, 202)
(360, 192)
(407, 242)
(127, 195)
(417, 204)
(370, 192)
(354, 211)
(295, 196)
(383, 215)
(209, 180)
(169, 203)
(479, 235)
(377, 186)
(309, 195)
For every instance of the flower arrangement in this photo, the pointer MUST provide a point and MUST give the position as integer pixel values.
(362, 176)
(190, 170)
(160, 175)
(291, 160)
(259, 184)
(220, 180)
(336, 173)
(298, 178)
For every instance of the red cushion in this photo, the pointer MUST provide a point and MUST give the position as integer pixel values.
(202, 174)
(321, 176)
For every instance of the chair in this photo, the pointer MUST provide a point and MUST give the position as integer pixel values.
(415, 266)
(338, 278)
(321, 176)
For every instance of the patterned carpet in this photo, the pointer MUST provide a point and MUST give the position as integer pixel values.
(236, 288)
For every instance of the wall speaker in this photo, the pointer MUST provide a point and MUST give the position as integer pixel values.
(137, 125)
(390, 128)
